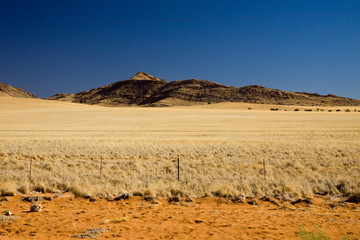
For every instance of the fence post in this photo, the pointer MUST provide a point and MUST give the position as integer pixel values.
(101, 167)
(30, 170)
(264, 169)
(178, 168)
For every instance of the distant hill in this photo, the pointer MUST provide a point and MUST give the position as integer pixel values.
(10, 91)
(146, 90)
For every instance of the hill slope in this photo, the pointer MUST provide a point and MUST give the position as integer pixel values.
(144, 89)
(10, 91)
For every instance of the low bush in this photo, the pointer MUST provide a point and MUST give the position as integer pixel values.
(7, 188)
(306, 235)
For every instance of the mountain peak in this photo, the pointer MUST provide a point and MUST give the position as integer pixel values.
(146, 90)
(144, 76)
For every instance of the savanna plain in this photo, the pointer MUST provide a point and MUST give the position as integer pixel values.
(225, 151)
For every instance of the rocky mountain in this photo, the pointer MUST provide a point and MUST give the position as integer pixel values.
(146, 90)
(10, 91)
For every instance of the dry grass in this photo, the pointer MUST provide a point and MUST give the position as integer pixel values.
(91, 233)
(221, 149)
(4, 219)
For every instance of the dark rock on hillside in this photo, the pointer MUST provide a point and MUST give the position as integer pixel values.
(146, 90)
(62, 97)
(194, 90)
(129, 92)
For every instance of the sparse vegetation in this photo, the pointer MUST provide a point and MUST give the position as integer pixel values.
(91, 233)
(120, 220)
(346, 237)
(4, 219)
(221, 152)
(7, 188)
(316, 235)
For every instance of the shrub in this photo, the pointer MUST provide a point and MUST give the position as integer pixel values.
(91, 233)
(317, 235)
(7, 189)
(346, 237)
(137, 193)
(24, 188)
(274, 109)
(308, 110)
(79, 191)
(347, 110)
(177, 192)
(149, 192)
(338, 110)
(39, 187)
(296, 110)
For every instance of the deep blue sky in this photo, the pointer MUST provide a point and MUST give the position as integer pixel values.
(49, 47)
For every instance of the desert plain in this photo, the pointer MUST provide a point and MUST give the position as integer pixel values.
(225, 151)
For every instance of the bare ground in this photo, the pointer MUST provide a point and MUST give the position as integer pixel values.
(205, 218)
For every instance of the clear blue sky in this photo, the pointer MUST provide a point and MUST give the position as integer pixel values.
(49, 47)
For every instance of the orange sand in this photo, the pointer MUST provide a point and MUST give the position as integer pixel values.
(205, 218)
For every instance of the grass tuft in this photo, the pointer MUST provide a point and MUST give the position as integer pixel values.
(306, 235)
(7, 188)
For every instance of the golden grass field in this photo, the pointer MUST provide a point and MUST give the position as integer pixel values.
(221, 149)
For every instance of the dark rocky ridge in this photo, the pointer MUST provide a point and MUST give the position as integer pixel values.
(146, 90)
(10, 91)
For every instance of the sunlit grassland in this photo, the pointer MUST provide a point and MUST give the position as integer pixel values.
(221, 150)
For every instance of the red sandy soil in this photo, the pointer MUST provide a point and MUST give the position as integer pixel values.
(205, 218)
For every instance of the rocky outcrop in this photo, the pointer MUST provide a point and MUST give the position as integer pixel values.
(146, 90)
